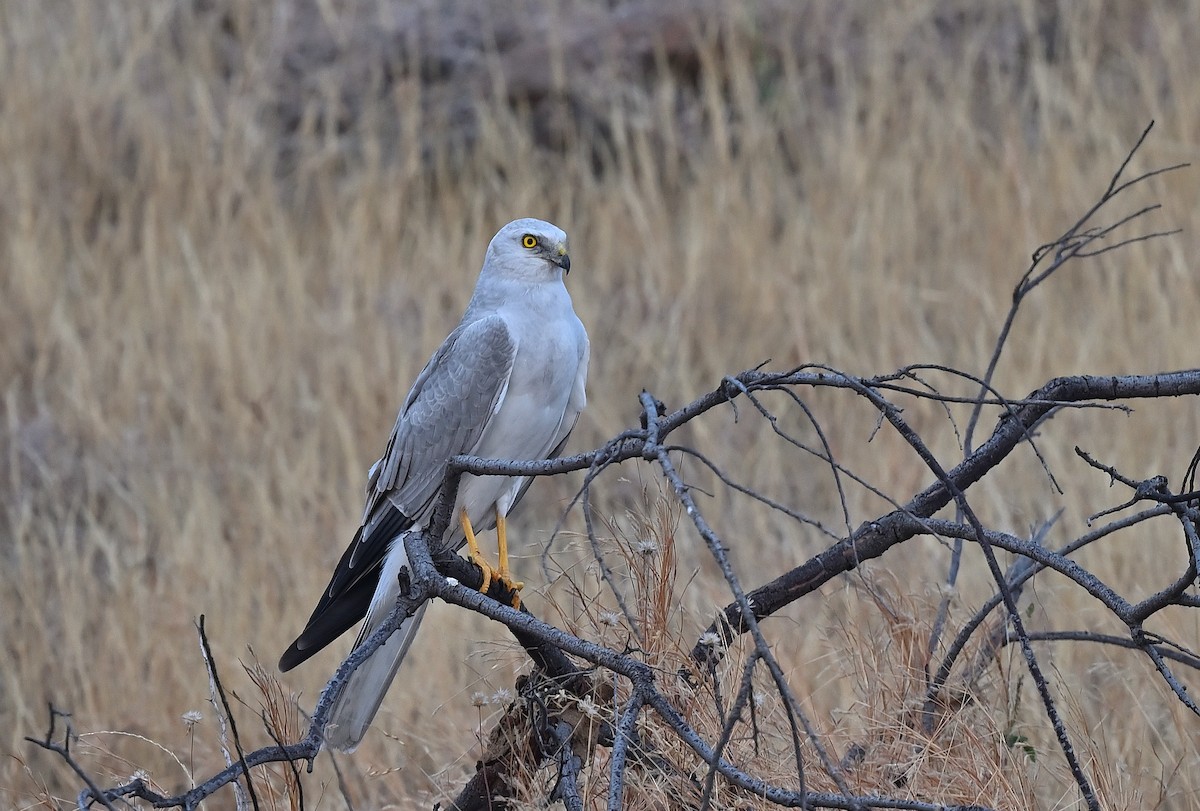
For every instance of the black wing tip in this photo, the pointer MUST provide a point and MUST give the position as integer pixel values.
(348, 596)
(293, 656)
(331, 619)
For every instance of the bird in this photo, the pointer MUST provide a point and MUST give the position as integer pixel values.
(507, 383)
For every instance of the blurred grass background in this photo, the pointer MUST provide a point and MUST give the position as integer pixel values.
(231, 233)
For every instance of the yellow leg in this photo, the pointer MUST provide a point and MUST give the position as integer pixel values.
(505, 574)
(476, 555)
(501, 575)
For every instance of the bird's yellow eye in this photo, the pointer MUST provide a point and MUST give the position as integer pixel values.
(529, 241)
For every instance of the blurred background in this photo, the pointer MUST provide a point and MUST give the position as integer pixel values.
(231, 233)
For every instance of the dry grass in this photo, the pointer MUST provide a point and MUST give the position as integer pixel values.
(201, 353)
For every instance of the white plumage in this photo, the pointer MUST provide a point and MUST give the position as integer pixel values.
(507, 383)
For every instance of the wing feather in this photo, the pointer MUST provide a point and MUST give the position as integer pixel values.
(445, 413)
(454, 402)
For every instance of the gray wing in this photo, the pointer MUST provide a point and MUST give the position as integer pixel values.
(446, 411)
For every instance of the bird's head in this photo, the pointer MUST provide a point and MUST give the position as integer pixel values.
(533, 249)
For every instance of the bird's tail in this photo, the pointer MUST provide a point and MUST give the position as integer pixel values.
(353, 710)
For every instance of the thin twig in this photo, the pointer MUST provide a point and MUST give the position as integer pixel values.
(215, 678)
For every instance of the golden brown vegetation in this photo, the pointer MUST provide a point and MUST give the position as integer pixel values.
(209, 312)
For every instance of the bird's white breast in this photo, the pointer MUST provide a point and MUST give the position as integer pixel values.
(540, 405)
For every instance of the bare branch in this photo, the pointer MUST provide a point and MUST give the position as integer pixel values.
(227, 713)
(64, 751)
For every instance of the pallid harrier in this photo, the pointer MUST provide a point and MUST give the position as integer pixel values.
(508, 383)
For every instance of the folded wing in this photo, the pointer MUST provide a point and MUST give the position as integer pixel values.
(448, 409)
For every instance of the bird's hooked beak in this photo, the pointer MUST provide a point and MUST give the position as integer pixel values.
(560, 257)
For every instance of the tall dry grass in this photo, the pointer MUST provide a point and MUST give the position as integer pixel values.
(206, 324)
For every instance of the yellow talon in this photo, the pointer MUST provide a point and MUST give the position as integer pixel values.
(505, 575)
(502, 575)
(476, 555)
